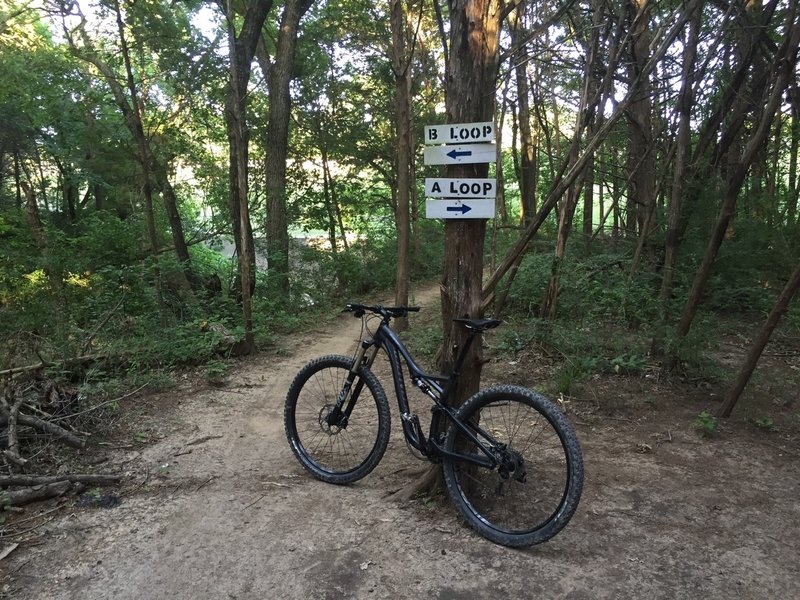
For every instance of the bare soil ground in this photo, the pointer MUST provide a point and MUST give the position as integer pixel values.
(216, 506)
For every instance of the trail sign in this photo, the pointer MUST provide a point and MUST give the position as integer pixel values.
(480, 208)
(459, 133)
(460, 188)
(461, 155)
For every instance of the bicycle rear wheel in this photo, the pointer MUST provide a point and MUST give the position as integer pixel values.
(349, 449)
(532, 495)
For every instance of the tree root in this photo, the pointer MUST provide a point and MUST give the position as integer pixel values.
(428, 483)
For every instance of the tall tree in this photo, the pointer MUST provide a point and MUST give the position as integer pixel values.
(401, 68)
(587, 111)
(641, 152)
(528, 176)
(279, 76)
(683, 151)
(242, 50)
(569, 171)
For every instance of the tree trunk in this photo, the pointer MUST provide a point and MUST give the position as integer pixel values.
(500, 199)
(473, 64)
(682, 153)
(792, 194)
(280, 76)
(641, 157)
(327, 188)
(141, 140)
(174, 217)
(401, 65)
(749, 365)
(242, 50)
(528, 167)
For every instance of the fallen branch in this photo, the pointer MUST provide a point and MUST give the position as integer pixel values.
(65, 436)
(12, 453)
(39, 492)
(28, 480)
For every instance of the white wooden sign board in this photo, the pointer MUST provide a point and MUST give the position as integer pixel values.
(459, 133)
(460, 188)
(461, 154)
(460, 209)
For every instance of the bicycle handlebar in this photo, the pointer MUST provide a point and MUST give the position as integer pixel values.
(387, 312)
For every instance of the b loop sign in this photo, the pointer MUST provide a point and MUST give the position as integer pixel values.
(465, 133)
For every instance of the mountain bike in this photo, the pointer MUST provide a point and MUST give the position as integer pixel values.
(511, 461)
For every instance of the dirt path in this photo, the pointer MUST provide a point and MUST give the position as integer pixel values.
(220, 509)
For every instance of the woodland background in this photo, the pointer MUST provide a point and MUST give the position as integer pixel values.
(183, 181)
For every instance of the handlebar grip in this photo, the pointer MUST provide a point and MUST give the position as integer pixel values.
(357, 309)
(385, 311)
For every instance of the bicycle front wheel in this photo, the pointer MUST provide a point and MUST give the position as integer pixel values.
(345, 449)
(535, 489)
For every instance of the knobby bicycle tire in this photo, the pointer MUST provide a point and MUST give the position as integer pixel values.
(534, 496)
(336, 454)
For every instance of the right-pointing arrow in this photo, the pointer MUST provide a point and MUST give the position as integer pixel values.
(464, 209)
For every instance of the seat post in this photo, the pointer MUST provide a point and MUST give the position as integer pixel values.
(462, 355)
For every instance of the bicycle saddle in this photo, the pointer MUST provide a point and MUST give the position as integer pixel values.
(479, 324)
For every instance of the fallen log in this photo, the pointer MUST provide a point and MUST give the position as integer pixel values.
(88, 479)
(33, 494)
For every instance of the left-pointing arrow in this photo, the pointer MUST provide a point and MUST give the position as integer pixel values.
(455, 154)
(463, 208)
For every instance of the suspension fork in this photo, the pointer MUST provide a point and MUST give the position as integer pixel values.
(349, 392)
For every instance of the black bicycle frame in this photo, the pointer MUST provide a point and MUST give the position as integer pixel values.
(436, 387)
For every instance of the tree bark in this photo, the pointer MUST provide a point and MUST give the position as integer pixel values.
(794, 144)
(401, 65)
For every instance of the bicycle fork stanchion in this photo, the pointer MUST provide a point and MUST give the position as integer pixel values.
(340, 417)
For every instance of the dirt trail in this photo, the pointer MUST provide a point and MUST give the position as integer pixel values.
(221, 509)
